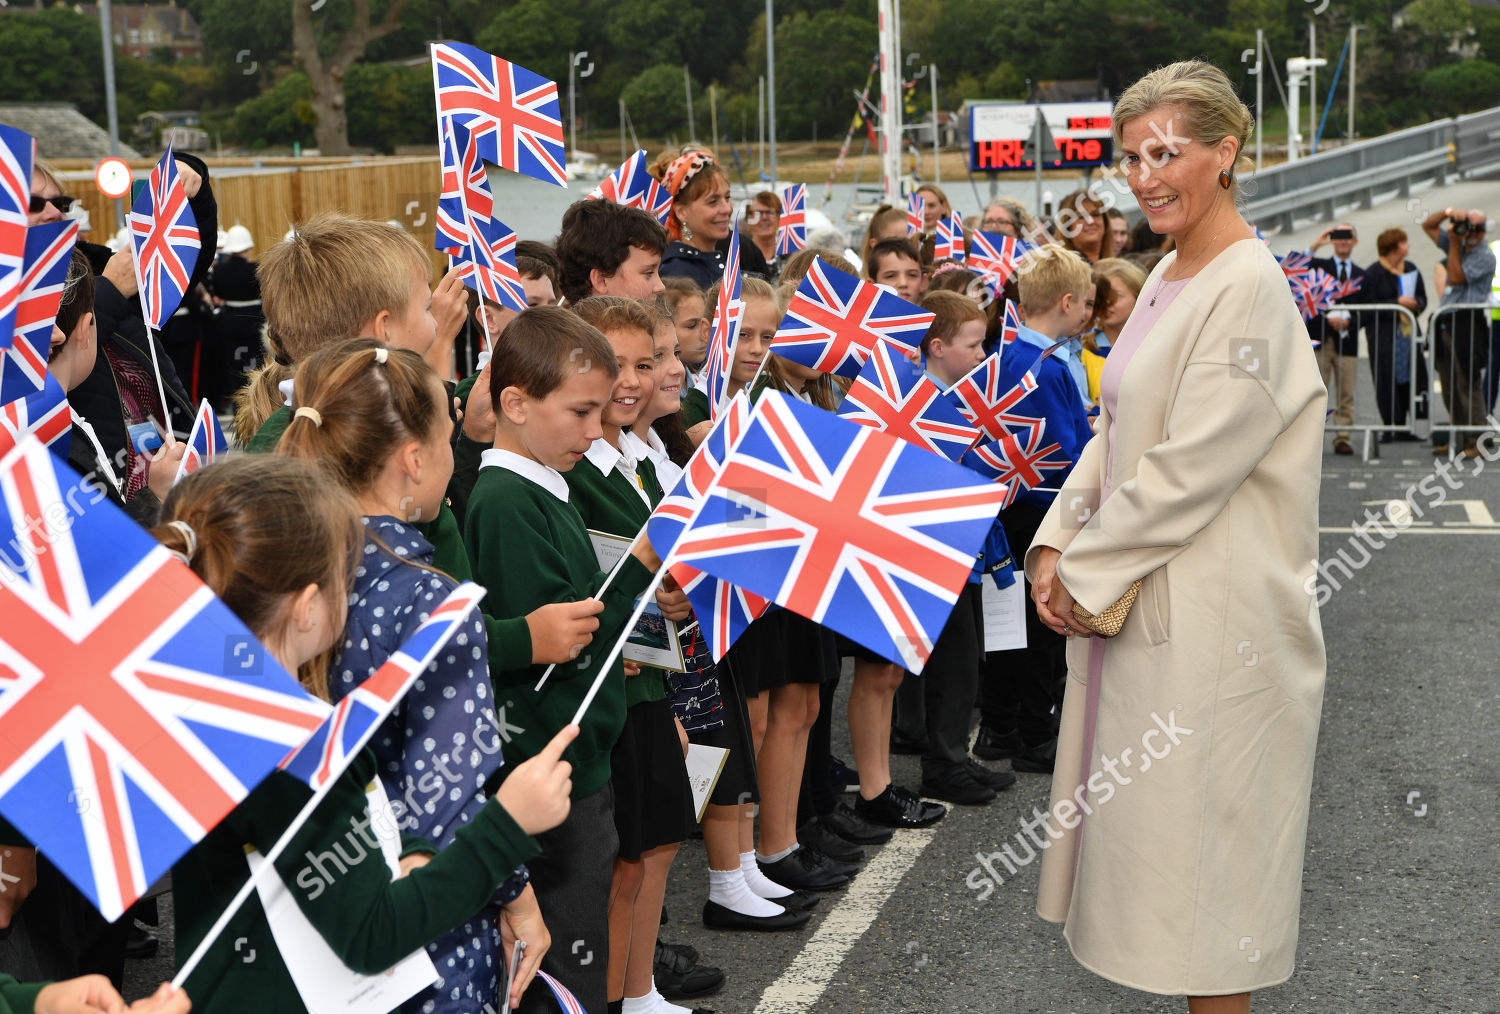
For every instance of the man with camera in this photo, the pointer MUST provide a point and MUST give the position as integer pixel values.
(1462, 346)
(1337, 331)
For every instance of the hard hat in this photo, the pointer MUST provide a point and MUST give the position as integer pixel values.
(236, 240)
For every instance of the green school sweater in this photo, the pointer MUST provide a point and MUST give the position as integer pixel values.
(529, 549)
(509, 637)
(335, 872)
(694, 408)
(610, 504)
(18, 997)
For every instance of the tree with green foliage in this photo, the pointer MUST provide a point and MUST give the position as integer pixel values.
(657, 100)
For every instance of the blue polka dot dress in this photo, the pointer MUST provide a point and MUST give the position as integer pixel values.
(441, 744)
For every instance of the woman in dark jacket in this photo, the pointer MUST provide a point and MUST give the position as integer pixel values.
(1388, 333)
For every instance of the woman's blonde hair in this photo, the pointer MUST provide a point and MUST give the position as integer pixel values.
(265, 528)
(318, 287)
(1213, 110)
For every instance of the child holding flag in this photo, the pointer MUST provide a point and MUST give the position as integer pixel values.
(551, 378)
(377, 420)
(273, 539)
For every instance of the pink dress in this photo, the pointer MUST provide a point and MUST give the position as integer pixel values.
(1134, 334)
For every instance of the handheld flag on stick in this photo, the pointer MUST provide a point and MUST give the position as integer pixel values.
(843, 524)
(994, 253)
(835, 320)
(949, 243)
(343, 732)
(1021, 460)
(1010, 324)
(985, 400)
(135, 709)
(45, 414)
(17, 153)
(166, 240)
(23, 366)
(791, 233)
(895, 395)
(205, 443)
(725, 333)
(512, 112)
(479, 243)
(916, 214)
(633, 186)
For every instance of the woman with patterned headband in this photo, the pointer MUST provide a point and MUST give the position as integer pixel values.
(698, 227)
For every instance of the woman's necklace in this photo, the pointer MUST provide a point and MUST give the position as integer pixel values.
(1162, 281)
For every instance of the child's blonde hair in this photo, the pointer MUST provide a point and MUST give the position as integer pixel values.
(318, 287)
(1048, 273)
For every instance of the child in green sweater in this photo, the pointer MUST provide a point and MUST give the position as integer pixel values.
(275, 540)
(551, 377)
(615, 493)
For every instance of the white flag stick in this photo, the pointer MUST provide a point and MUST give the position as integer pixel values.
(640, 607)
(596, 595)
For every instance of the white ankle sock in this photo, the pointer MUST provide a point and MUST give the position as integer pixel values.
(728, 888)
(762, 885)
(652, 1003)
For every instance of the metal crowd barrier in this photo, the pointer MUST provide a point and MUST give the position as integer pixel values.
(1393, 409)
(1466, 363)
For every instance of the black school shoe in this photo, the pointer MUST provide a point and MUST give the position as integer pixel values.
(679, 977)
(1037, 760)
(807, 869)
(819, 836)
(997, 780)
(897, 808)
(716, 916)
(992, 745)
(851, 827)
(844, 777)
(957, 786)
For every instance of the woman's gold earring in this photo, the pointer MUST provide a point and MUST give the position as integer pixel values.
(1225, 180)
(687, 233)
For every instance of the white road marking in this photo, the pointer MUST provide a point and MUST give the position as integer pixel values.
(810, 972)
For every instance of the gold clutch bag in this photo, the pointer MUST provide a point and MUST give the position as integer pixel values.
(1112, 619)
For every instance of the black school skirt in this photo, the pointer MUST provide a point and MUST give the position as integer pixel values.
(782, 648)
(653, 800)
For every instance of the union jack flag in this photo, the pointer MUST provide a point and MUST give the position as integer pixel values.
(513, 113)
(791, 234)
(466, 189)
(45, 414)
(725, 333)
(23, 366)
(165, 235)
(985, 400)
(566, 1001)
(1010, 324)
(633, 186)
(205, 443)
(845, 525)
(1020, 460)
(835, 320)
(722, 609)
(994, 253)
(135, 709)
(916, 211)
(17, 152)
(1295, 262)
(893, 394)
(1314, 291)
(467, 229)
(344, 733)
(949, 244)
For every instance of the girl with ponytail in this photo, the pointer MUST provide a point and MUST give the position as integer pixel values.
(376, 420)
(276, 540)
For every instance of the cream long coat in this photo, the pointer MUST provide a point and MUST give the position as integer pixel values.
(1187, 879)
